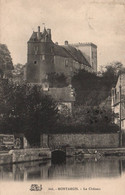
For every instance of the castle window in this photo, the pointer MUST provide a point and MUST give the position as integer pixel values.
(35, 62)
(66, 63)
(36, 50)
(43, 57)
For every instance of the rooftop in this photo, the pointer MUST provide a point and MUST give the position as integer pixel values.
(76, 54)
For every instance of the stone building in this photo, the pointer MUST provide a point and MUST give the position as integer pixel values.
(45, 57)
(115, 100)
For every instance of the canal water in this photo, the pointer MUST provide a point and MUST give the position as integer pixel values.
(72, 168)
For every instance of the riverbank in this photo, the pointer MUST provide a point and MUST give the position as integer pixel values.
(24, 155)
(95, 152)
(38, 154)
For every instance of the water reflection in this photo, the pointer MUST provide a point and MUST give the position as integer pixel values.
(72, 168)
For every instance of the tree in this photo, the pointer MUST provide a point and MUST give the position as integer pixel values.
(87, 119)
(57, 80)
(41, 114)
(6, 64)
(88, 88)
(26, 110)
(87, 115)
(91, 89)
(100, 116)
(112, 72)
(18, 73)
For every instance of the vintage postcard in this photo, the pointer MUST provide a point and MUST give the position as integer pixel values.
(62, 97)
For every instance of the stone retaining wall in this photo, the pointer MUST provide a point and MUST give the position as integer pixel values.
(23, 155)
(30, 154)
(80, 140)
(5, 158)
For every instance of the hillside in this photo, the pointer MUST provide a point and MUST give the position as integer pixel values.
(91, 89)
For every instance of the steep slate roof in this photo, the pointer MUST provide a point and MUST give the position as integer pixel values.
(33, 36)
(61, 94)
(76, 54)
(70, 52)
(60, 51)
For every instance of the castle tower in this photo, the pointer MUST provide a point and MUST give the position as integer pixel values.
(40, 57)
(89, 50)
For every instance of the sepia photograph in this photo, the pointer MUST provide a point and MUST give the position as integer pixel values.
(62, 97)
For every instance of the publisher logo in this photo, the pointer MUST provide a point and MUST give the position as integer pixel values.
(35, 187)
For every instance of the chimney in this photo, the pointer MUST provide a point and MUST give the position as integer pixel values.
(66, 43)
(49, 32)
(38, 32)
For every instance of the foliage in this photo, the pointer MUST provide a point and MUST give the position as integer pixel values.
(92, 89)
(41, 113)
(26, 109)
(89, 88)
(94, 128)
(111, 73)
(57, 80)
(87, 119)
(18, 73)
(97, 115)
(6, 63)
(87, 115)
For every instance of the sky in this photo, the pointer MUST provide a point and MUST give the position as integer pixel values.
(101, 22)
